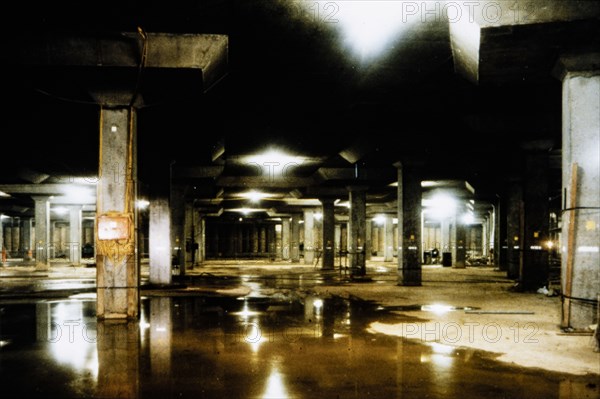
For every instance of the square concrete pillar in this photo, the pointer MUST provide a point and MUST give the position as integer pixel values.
(357, 230)
(42, 231)
(295, 242)
(580, 242)
(75, 234)
(409, 226)
(160, 242)
(118, 278)
(309, 241)
(285, 238)
(388, 239)
(328, 234)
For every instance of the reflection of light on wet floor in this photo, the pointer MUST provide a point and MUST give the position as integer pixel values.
(275, 386)
(437, 308)
(441, 356)
(72, 338)
(89, 295)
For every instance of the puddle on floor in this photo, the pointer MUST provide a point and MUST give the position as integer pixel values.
(283, 346)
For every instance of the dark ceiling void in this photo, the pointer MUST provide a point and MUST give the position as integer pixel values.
(292, 84)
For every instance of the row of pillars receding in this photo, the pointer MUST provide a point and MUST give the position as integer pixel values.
(118, 277)
(41, 239)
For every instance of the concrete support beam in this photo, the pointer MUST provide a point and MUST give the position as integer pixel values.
(409, 226)
(581, 147)
(75, 244)
(118, 277)
(285, 238)
(160, 242)
(388, 239)
(357, 230)
(188, 236)
(534, 273)
(309, 239)
(295, 242)
(42, 231)
(328, 234)
(514, 215)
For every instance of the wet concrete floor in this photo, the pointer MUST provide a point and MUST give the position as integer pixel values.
(279, 341)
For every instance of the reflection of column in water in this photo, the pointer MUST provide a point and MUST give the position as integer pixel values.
(42, 317)
(118, 344)
(160, 343)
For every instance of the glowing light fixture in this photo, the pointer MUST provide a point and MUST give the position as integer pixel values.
(468, 218)
(369, 27)
(60, 210)
(255, 196)
(142, 204)
(379, 219)
(274, 157)
(440, 206)
(318, 216)
(3, 194)
(79, 195)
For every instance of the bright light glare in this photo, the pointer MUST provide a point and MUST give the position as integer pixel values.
(254, 196)
(468, 218)
(379, 219)
(274, 157)
(318, 303)
(440, 206)
(142, 204)
(60, 210)
(550, 244)
(437, 309)
(275, 386)
(3, 194)
(79, 195)
(318, 216)
(369, 27)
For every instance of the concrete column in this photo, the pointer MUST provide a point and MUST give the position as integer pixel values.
(338, 238)
(375, 238)
(8, 240)
(328, 234)
(409, 226)
(514, 211)
(388, 239)
(295, 242)
(42, 231)
(75, 234)
(357, 230)
(263, 240)
(581, 147)
(26, 226)
(460, 241)
(160, 241)
(117, 271)
(445, 235)
(285, 238)
(279, 240)
(485, 246)
(16, 237)
(309, 241)
(2, 247)
(369, 240)
(497, 242)
(254, 239)
(202, 239)
(177, 204)
(188, 236)
(534, 273)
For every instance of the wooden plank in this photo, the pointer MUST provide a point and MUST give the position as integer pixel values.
(566, 319)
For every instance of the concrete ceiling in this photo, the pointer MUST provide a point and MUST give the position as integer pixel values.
(461, 99)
